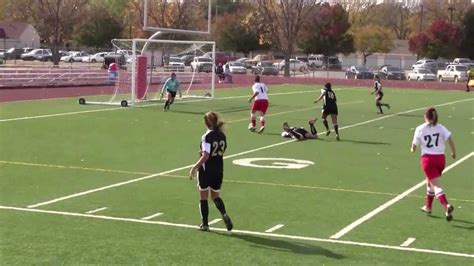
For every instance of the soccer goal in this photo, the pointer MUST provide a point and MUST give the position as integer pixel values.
(146, 65)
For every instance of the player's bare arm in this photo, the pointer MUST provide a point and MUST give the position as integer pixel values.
(199, 163)
(253, 96)
(452, 147)
(320, 97)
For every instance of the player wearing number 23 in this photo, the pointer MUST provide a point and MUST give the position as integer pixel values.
(210, 169)
(431, 137)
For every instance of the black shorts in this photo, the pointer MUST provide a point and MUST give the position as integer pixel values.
(212, 180)
(173, 93)
(328, 110)
(379, 96)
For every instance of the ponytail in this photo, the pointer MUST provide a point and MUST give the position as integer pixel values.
(213, 121)
(431, 115)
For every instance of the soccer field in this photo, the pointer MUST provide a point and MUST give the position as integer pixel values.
(94, 184)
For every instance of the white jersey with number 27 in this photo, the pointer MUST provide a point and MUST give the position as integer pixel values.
(262, 90)
(431, 139)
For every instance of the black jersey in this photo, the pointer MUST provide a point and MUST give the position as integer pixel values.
(298, 132)
(378, 87)
(214, 143)
(329, 99)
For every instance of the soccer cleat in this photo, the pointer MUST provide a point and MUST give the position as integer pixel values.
(251, 128)
(388, 106)
(337, 138)
(261, 130)
(449, 213)
(228, 222)
(425, 210)
(328, 132)
(312, 121)
(204, 227)
(380, 113)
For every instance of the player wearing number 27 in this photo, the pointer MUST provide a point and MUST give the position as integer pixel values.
(431, 137)
(210, 169)
(260, 94)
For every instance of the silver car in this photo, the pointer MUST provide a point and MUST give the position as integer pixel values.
(421, 74)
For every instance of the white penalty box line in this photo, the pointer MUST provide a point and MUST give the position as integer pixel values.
(391, 202)
(226, 157)
(244, 232)
(140, 106)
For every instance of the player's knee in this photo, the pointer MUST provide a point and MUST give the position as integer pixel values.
(262, 118)
(253, 116)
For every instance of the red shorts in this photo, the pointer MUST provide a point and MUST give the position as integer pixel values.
(260, 105)
(433, 165)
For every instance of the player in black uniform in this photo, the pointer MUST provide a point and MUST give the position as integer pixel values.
(299, 133)
(379, 95)
(329, 108)
(210, 169)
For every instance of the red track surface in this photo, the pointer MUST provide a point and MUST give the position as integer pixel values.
(18, 94)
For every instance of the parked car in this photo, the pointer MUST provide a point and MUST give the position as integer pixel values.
(462, 61)
(421, 74)
(265, 68)
(259, 58)
(244, 60)
(312, 61)
(359, 72)
(37, 54)
(236, 67)
(331, 62)
(68, 56)
(187, 59)
(201, 64)
(422, 63)
(391, 72)
(174, 64)
(453, 73)
(95, 58)
(221, 58)
(295, 65)
(15, 53)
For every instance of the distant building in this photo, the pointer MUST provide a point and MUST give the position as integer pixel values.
(19, 35)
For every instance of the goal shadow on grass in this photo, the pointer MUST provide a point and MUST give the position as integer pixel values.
(285, 246)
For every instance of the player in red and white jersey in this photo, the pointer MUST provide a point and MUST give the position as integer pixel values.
(431, 137)
(260, 94)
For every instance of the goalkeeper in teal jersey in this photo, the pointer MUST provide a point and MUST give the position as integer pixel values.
(171, 86)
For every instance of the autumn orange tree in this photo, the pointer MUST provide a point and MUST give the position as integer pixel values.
(373, 39)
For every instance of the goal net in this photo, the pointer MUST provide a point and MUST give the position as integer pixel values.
(143, 66)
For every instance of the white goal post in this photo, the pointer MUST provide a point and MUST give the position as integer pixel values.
(150, 62)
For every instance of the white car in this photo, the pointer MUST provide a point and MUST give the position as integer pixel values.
(421, 74)
(462, 61)
(236, 67)
(202, 64)
(295, 65)
(38, 54)
(74, 57)
(421, 63)
(95, 58)
(453, 73)
(175, 64)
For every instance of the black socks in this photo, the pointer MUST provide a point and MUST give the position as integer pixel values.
(220, 205)
(313, 129)
(325, 122)
(204, 208)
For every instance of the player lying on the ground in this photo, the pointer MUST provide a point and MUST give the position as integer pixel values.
(299, 133)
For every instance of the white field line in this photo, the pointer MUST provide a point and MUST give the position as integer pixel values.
(96, 210)
(144, 105)
(389, 203)
(152, 216)
(274, 228)
(226, 157)
(214, 221)
(408, 242)
(245, 232)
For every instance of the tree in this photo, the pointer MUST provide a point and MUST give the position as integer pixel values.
(326, 31)
(373, 39)
(98, 27)
(54, 20)
(467, 43)
(441, 40)
(233, 34)
(284, 19)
